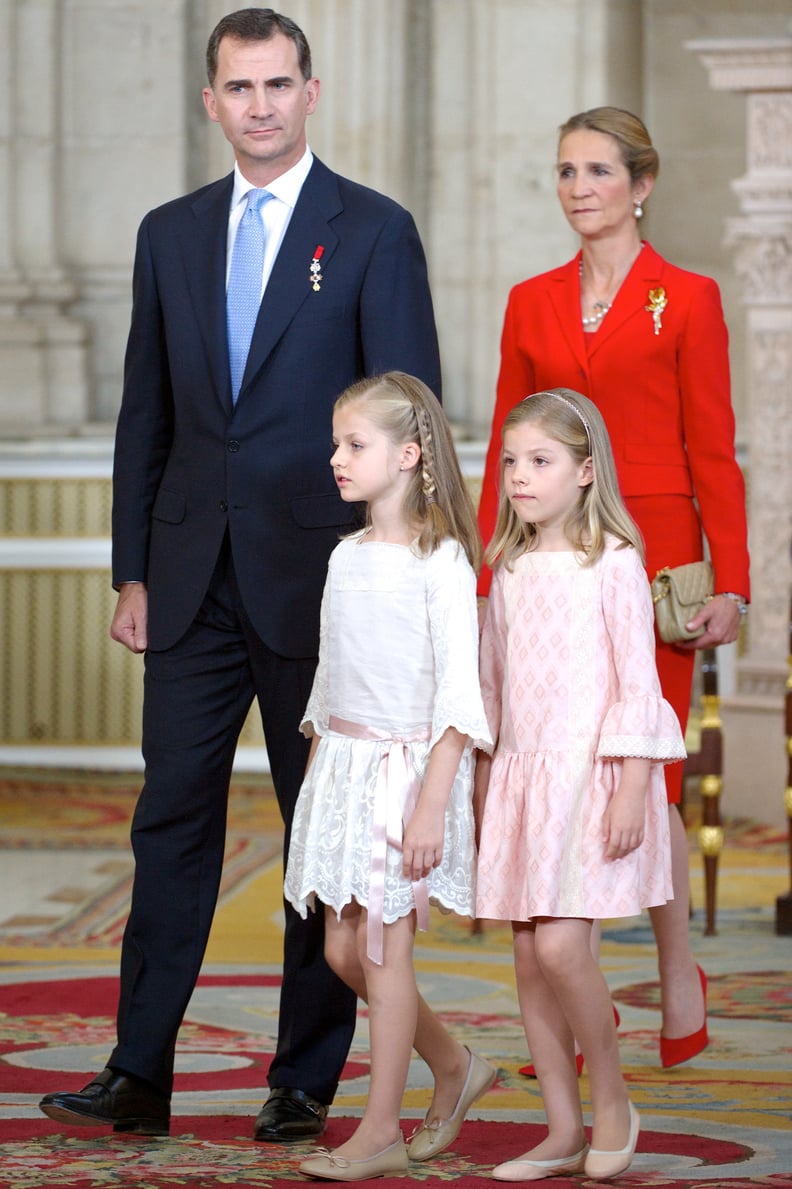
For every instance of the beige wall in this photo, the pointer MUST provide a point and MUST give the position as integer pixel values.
(450, 105)
(701, 135)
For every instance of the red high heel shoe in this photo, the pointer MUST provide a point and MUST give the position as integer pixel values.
(529, 1071)
(676, 1049)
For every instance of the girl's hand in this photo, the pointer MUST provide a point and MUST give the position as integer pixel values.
(422, 845)
(623, 823)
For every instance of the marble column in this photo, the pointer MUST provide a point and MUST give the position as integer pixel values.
(505, 75)
(43, 380)
(761, 242)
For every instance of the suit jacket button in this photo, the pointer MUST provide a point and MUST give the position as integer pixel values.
(233, 446)
(223, 505)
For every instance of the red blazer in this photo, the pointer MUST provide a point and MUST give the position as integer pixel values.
(665, 397)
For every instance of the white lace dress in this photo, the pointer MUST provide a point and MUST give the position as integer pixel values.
(398, 665)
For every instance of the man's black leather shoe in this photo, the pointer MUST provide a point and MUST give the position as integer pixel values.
(128, 1103)
(289, 1115)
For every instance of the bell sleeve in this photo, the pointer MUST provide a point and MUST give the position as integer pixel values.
(640, 723)
(317, 712)
(453, 625)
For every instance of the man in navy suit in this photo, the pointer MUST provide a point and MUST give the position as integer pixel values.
(224, 515)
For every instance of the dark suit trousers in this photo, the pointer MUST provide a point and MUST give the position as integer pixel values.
(196, 697)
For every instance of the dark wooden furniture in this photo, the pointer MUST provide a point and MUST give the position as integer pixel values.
(784, 903)
(706, 765)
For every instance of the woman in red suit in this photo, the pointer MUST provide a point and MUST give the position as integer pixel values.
(647, 342)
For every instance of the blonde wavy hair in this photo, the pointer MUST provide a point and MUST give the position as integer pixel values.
(574, 421)
(437, 502)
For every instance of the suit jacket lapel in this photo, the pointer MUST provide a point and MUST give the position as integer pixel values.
(632, 298)
(204, 255)
(289, 284)
(564, 294)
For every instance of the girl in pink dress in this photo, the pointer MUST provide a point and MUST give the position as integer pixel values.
(572, 805)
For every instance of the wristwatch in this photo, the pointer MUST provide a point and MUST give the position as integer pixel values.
(739, 599)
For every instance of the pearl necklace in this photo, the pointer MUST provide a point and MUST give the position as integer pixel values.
(601, 307)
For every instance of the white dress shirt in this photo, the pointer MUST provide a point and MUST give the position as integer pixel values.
(275, 214)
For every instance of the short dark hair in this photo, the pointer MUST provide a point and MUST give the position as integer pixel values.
(257, 24)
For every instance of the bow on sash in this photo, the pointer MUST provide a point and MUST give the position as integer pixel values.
(395, 798)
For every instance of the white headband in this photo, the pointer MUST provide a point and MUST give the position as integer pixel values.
(571, 406)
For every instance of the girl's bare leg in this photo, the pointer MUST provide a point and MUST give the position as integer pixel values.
(399, 1018)
(391, 994)
(447, 1059)
(563, 952)
(552, 1046)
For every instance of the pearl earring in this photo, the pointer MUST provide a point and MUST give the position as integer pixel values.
(638, 211)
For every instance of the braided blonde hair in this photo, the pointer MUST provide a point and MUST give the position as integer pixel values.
(426, 442)
(437, 502)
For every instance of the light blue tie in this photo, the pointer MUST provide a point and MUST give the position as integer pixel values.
(244, 285)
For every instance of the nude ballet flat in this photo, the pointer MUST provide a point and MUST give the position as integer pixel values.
(526, 1169)
(326, 1166)
(601, 1165)
(432, 1138)
(676, 1049)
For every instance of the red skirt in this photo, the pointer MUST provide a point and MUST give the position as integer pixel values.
(672, 535)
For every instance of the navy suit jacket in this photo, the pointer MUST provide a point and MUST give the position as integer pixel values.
(189, 466)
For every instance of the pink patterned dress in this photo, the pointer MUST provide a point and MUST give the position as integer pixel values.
(570, 687)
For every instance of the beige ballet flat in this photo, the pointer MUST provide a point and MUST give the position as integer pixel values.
(326, 1166)
(601, 1164)
(526, 1169)
(430, 1139)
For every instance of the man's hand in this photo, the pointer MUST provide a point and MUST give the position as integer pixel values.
(130, 621)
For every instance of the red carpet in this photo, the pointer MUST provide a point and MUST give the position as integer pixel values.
(218, 1151)
(79, 1013)
(720, 1122)
(41, 1017)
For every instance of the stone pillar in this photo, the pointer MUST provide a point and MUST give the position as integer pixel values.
(92, 125)
(505, 75)
(123, 98)
(761, 239)
(43, 380)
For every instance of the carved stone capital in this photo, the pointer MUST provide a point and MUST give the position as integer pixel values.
(765, 193)
(770, 131)
(762, 259)
(746, 64)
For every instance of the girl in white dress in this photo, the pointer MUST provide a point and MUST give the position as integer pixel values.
(572, 806)
(384, 822)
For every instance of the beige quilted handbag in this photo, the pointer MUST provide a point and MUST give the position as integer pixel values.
(678, 594)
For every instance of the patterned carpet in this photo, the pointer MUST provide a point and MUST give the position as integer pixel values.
(65, 869)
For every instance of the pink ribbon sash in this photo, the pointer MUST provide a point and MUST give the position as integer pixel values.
(395, 798)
